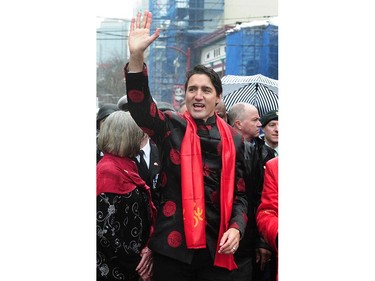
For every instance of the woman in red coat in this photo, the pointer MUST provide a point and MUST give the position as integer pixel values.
(267, 213)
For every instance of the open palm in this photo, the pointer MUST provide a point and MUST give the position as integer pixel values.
(139, 35)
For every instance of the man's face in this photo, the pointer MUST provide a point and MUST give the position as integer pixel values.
(249, 125)
(220, 110)
(271, 132)
(201, 98)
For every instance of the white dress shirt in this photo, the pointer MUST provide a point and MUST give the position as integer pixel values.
(147, 150)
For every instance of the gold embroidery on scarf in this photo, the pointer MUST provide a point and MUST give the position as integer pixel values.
(197, 215)
(198, 212)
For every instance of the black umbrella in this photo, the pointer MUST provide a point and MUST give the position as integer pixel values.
(257, 90)
(256, 94)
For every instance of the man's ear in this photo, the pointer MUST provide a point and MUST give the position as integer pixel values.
(237, 124)
(218, 98)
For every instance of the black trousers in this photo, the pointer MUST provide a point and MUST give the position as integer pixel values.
(201, 269)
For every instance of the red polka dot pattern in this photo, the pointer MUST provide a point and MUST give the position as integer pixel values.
(174, 239)
(148, 131)
(153, 110)
(169, 208)
(161, 115)
(175, 157)
(136, 96)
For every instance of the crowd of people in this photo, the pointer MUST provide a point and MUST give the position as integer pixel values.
(187, 194)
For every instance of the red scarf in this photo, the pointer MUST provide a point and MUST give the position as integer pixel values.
(193, 202)
(119, 175)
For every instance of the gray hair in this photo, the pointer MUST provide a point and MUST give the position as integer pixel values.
(120, 135)
(239, 111)
(236, 112)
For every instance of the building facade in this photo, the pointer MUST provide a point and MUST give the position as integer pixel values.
(213, 33)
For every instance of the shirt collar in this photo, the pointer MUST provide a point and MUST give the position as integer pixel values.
(276, 149)
(147, 150)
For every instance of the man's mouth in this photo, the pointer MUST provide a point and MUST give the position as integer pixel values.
(198, 106)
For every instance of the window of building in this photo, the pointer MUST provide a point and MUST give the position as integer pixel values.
(216, 52)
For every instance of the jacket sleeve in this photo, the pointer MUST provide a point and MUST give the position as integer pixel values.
(142, 106)
(240, 201)
(267, 212)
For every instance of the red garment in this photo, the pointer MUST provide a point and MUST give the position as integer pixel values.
(226, 191)
(119, 175)
(193, 204)
(193, 188)
(267, 213)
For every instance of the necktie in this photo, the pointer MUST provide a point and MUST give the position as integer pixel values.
(143, 169)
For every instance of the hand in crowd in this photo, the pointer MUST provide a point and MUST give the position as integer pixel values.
(145, 266)
(230, 241)
(263, 256)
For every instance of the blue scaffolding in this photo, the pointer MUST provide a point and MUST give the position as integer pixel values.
(253, 50)
(181, 23)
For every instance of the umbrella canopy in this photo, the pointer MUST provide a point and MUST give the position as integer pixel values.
(257, 90)
(234, 82)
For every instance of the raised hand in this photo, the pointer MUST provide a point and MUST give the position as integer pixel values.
(140, 39)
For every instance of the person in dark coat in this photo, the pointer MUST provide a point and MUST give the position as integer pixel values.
(221, 110)
(203, 200)
(149, 170)
(270, 128)
(254, 253)
(256, 156)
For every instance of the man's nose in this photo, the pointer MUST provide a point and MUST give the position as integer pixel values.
(199, 95)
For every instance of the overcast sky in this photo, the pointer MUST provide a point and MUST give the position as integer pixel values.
(115, 9)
